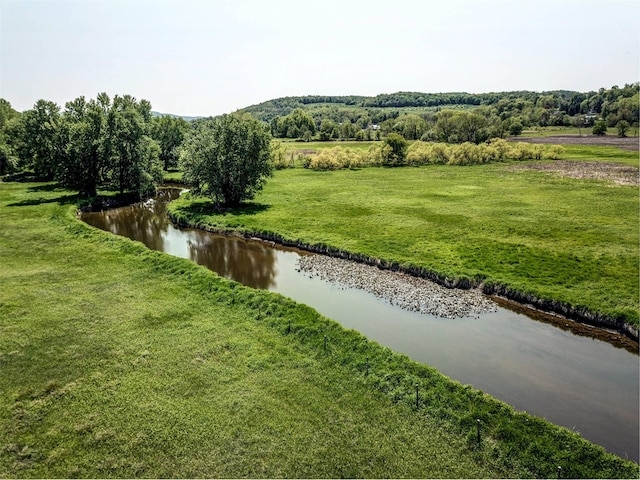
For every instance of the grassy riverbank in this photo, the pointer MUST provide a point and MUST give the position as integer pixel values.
(117, 361)
(569, 240)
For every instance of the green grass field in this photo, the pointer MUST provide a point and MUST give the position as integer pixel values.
(117, 361)
(570, 240)
(301, 146)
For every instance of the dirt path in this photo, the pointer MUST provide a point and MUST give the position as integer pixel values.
(616, 173)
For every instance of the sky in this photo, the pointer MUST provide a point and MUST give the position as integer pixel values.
(202, 58)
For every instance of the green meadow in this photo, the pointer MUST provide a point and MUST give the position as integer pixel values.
(117, 361)
(569, 240)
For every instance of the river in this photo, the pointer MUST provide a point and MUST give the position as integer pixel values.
(582, 383)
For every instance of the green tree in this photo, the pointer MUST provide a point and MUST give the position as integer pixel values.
(169, 132)
(6, 113)
(579, 121)
(85, 159)
(397, 155)
(410, 126)
(445, 127)
(133, 155)
(295, 125)
(8, 118)
(40, 146)
(347, 130)
(599, 128)
(471, 127)
(622, 127)
(327, 129)
(227, 158)
(515, 128)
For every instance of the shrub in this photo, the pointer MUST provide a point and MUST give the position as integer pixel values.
(425, 153)
(378, 153)
(336, 158)
(599, 128)
(440, 153)
(419, 153)
(281, 157)
(398, 150)
(553, 152)
(466, 153)
(502, 148)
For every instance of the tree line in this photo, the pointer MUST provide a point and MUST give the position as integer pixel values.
(117, 144)
(422, 116)
(102, 141)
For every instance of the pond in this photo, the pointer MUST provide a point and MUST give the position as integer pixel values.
(580, 382)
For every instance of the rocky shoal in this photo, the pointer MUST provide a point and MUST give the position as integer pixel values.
(400, 289)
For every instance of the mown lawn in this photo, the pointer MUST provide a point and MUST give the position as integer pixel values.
(563, 239)
(117, 361)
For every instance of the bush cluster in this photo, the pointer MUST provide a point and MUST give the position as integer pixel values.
(426, 153)
(495, 150)
(336, 158)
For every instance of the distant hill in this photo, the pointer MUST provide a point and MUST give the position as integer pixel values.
(399, 101)
(415, 114)
(188, 119)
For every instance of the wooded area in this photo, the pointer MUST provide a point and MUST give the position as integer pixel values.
(447, 117)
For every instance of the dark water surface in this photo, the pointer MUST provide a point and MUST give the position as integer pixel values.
(579, 382)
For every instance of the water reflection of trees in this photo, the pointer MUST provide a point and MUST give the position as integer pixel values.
(145, 222)
(249, 263)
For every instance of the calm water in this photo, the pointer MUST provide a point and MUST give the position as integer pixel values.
(581, 383)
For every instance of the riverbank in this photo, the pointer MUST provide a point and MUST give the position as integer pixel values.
(120, 361)
(425, 296)
(427, 292)
(562, 245)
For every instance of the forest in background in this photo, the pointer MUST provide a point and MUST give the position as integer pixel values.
(438, 116)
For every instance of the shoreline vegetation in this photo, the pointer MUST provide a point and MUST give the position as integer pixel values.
(569, 312)
(192, 375)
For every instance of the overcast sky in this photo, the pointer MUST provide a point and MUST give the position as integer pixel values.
(212, 57)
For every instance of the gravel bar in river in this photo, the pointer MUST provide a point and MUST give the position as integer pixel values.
(400, 289)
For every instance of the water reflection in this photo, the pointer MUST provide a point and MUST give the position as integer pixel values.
(250, 263)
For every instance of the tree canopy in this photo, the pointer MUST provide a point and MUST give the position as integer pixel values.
(100, 141)
(227, 158)
(169, 132)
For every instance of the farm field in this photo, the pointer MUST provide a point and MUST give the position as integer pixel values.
(573, 240)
